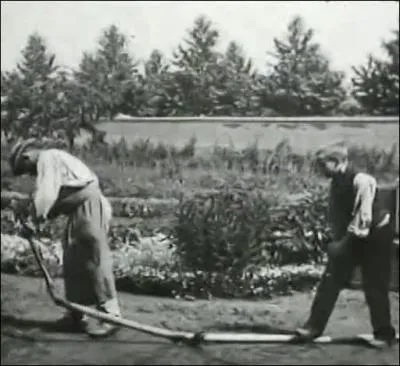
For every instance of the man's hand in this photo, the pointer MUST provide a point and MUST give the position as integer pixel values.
(28, 230)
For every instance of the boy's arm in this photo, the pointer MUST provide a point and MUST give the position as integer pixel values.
(365, 189)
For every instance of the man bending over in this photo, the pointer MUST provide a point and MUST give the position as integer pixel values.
(66, 186)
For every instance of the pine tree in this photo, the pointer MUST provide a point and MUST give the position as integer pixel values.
(37, 62)
(197, 69)
(239, 84)
(376, 84)
(301, 81)
(111, 71)
(30, 89)
(158, 94)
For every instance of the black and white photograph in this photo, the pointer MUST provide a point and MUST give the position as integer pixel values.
(200, 182)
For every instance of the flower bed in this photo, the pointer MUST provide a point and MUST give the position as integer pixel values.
(151, 266)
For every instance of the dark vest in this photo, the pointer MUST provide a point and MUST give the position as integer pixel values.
(386, 201)
(343, 196)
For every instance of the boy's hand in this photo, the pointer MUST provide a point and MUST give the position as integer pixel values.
(338, 248)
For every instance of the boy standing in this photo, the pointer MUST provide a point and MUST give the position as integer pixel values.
(362, 223)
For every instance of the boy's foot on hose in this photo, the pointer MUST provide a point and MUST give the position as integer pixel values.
(306, 334)
(380, 343)
(383, 338)
(71, 323)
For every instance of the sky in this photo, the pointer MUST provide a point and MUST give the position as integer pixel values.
(346, 30)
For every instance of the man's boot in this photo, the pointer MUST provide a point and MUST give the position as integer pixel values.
(101, 329)
(73, 322)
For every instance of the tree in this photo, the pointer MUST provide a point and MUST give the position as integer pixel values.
(75, 102)
(198, 70)
(37, 62)
(376, 84)
(392, 49)
(301, 81)
(12, 95)
(28, 89)
(239, 84)
(158, 95)
(111, 71)
(91, 75)
(41, 99)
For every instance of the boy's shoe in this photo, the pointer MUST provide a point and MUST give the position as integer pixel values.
(306, 334)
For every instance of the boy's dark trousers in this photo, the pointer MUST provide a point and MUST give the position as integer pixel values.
(374, 255)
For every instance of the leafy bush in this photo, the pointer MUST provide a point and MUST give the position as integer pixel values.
(17, 257)
(228, 231)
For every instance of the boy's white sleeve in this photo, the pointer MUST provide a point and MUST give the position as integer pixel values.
(365, 188)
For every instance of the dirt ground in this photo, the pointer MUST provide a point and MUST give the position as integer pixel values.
(26, 309)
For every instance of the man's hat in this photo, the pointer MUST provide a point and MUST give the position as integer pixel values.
(17, 154)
